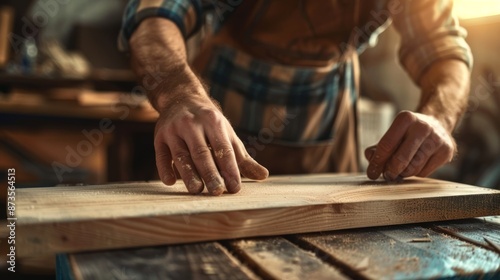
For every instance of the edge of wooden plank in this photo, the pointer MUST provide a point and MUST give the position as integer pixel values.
(136, 200)
(39, 239)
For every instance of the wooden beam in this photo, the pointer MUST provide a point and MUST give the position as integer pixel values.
(193, 261)
(71, 219)
(278, 258)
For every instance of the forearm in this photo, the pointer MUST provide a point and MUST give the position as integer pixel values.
(159, 60)
(445, 91)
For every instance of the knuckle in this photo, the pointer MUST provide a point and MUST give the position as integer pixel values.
(424, 127)
(186, 120)
(437, 140)
(383, 147)
(429, 145)
(398, 163)
(211, 115)
(181, 155)
(201, 152)
(224, 151)
(406, 116)
(419, 158)
(170, 130)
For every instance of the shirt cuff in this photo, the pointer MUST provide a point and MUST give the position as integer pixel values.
(186, 14)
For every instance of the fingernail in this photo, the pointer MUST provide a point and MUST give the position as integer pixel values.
(389, 176)
(167, 178)
(215, 187)
(233, 186)
(195, 186)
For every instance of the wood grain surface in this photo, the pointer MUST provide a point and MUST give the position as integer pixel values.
(71, 219)
(370, 253)
(390, 253)
(278, 258)
(195, 261)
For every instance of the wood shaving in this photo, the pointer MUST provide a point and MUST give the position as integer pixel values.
(424, 239)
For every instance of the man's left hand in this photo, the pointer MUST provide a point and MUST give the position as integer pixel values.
(415, 145)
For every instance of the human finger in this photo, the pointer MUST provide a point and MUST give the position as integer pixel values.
(203, 160)
(422, 156)
(185, 166)
(389, 143)
(442, 156)
(369, 152)
(415, 136)
(225, 158)
(247, 165)
(164, 162)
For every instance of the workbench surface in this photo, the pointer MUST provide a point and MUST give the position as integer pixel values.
(453, 249)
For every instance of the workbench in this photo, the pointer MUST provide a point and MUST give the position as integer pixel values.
(439, 250)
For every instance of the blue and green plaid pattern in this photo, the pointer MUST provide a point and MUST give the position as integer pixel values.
(308, 98)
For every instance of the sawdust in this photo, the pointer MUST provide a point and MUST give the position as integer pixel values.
(208, 269)
(220, 153)
(363, 264)
(407, 264)
(392, 242)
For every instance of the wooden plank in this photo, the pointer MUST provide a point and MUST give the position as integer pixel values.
(70, 219)
(388, 253)
(194, 261)
(278, 258)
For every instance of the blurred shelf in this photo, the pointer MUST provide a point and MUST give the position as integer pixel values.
(113, 112)
(100, 79)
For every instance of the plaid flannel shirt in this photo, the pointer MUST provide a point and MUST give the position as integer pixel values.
(254, 92)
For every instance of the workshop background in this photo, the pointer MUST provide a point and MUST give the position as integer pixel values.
(70, 111)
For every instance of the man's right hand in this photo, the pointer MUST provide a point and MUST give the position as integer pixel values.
(195, 137)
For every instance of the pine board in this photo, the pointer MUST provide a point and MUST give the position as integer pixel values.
(73, 219)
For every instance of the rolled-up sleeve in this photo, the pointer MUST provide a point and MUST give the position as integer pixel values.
(186, 14)
(429, 32)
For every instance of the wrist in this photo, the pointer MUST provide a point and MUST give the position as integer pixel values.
(436, 107)
(174, 86)
(444, 92)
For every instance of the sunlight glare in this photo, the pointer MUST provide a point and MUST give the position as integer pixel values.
(476, 8)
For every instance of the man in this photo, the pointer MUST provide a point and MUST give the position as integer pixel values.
(285, 75)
